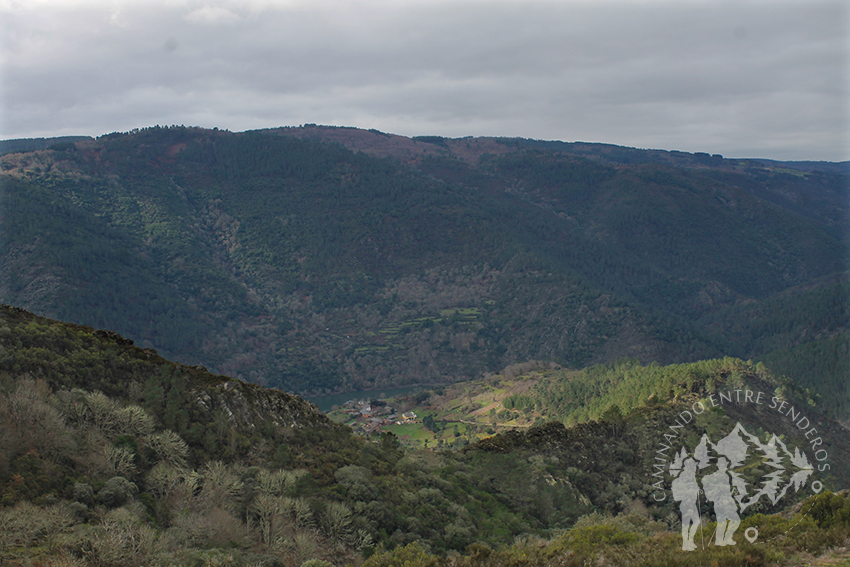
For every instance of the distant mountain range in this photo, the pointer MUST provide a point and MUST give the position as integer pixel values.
(320, 259)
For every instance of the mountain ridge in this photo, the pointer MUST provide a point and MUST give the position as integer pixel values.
(188, 240)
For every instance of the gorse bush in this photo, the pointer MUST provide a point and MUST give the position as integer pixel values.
(630, 540)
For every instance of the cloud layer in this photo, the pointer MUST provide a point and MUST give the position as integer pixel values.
(745, 79)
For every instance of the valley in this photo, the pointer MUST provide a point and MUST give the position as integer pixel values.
(515, 345)
(310, 283)
(447, 417)
(328, 260)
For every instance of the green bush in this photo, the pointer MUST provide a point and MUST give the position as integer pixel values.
(117, 491)
(830, 510)
(411, 555)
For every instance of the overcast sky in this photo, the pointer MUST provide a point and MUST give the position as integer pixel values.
(744, 78)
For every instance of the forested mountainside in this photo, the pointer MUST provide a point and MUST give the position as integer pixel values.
(321, 259)
(114, 456)
(34, 144)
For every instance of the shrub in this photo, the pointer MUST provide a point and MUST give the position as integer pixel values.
(83, 493)
(27, 524)
(117, 491)
(830, 510)
(412, 555)
(120, 540)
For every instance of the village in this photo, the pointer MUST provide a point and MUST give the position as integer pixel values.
(445, 417)
(370, 416)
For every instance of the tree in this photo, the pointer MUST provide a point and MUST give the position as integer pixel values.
(430, 423)
(170, 448)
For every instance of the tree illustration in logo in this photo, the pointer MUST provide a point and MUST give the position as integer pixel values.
(718, 468)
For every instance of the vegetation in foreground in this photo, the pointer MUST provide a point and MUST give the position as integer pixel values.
(113, 456)
(819, 537)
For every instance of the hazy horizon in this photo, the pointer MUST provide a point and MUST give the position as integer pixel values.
(745, 79)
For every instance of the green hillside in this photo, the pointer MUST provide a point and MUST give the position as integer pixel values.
(34, 144)
(331, 259)
(530, 394)
(114, 456)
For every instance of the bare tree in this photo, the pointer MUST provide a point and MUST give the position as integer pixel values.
(120, 460)
(170, 448)
(29, 423)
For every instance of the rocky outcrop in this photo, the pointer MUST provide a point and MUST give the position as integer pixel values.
(249, 405)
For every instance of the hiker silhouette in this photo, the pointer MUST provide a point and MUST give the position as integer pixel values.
(686, 490)
(718, 489)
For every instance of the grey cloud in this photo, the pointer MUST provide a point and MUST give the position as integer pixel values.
(764, 78)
